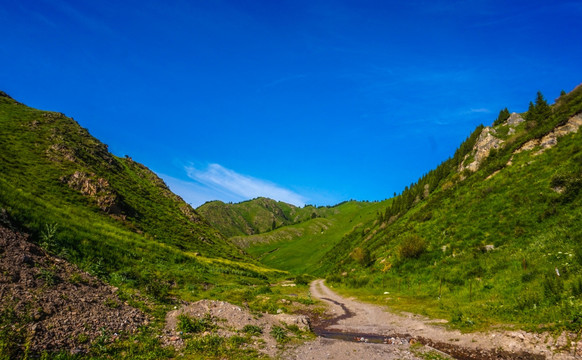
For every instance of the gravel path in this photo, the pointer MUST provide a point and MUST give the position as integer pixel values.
(349, 315)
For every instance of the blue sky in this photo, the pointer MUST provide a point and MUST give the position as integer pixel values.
(303, 101)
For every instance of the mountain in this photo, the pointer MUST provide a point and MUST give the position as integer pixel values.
(300, 248)
(257, 215)
(492, 235)
(111, 216)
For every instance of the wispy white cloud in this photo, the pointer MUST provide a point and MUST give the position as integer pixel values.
(480, 111)
(216, 182)
(227, 181)
(193, 193)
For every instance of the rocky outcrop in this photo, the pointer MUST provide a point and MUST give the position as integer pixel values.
(514, 119)
(483, 146)
(487, 141)
(96, 188)
(551, 139)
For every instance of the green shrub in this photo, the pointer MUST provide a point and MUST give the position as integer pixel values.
(192, 325)
(279, 334)
(236, 341)
(252, 330)
(358, 282)
(265, 289)
(412, 247)
(553, 287)
(49, 276)
(293, 328)
(82, 338)
(361, 255)
(47, 237)
(336, 278)
(157, 288)
(305, 301)
(303, 279)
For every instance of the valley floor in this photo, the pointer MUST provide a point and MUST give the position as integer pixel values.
(407, 336)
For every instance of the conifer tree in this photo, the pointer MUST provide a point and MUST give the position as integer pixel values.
(503, 115)
(542, 108)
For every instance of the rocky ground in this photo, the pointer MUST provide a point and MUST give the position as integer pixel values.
(230, 320)
(52, 304)
(403, 335)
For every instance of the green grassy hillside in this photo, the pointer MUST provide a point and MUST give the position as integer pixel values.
(110, 215)
(300, 248)
(481, 239)
(484, 246)
(257, 215)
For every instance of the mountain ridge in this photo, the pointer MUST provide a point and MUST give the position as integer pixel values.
(109, 215)
(500, 230)
(256, 216)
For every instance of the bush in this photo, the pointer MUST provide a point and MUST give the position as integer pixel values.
(412, 247)
(190, 325)
(48, 239)
(236, 341)
(358, 282)
(362, 256)
(335, 278)
(252, 330)
(303, 279)
(553, 287)
(279, 334)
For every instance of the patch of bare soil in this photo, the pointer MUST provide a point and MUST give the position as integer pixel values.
(361, 320)
(57, 305)
(231, 319)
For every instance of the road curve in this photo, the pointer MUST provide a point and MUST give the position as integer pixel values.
(351, 316)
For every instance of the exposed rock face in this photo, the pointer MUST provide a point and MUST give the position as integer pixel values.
(483, 146)
(96, 188)
(514, 119)
(551, 139)
(59, 151)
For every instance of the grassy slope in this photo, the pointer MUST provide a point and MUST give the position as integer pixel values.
(256, 216)
(300, 248)
(534, 230)
(150, 239)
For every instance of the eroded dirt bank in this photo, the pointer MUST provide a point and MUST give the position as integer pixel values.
(399, 331)
(52, 304)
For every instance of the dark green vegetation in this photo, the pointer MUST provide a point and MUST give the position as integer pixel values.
(475, 247)
(257, 216)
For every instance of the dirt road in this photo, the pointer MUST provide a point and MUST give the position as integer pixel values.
(395, 332)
